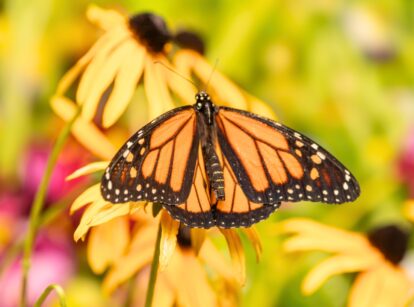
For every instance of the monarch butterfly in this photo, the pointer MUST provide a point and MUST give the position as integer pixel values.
(218, 166)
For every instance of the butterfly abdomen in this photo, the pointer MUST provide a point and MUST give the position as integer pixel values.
(214, 171)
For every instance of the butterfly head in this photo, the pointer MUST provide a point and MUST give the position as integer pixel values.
(205, 105)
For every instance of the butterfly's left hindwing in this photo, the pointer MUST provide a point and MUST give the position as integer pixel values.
(157, 163)
(273, 163)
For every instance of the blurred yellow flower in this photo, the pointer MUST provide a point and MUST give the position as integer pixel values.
(110, 71)
(113, 245)
(380, 280)
(108, 75)
(190, 61)
(409, 209)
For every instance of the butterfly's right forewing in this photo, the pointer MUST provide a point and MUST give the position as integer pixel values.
(157, 163)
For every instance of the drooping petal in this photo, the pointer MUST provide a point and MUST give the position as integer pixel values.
(236, 252)
(327, 244)
(88, 169)
(84, 131)
(198, 236)
(101, 45)
(136, 258)
(258, 106)
(126, 81)
(382, 286)
(168, 241)
(105, 19)
(336, 265)
(212, 257)
(105, 75)
(181, 87)
(111, 211)
(254, 239)
(164, 295)
(106, 243)
(84, 224)
(311, 235)
(194, 288)
(113, 41)
(156, 89)
(88, 196)
(226, 91)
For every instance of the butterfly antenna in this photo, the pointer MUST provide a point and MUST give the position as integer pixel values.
(177, 73)
(211, 75)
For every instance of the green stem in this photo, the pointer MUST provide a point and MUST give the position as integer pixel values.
(37, 206)
(154, 270)
(59, 291)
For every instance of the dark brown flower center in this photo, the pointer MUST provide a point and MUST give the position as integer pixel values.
(151, 30)
(391, 241)
(190, 40)
(184, 236)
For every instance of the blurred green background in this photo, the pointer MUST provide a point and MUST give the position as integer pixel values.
(341, 72)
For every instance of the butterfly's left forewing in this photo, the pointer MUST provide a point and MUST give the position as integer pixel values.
(273, 163)
(157, 163)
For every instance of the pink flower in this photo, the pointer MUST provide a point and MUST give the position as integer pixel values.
(34, 165)
(406, 163)
(52, 262)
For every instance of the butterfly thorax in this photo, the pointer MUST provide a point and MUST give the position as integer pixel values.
(206, 110)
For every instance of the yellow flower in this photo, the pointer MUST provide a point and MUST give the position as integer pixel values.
(125, 251)
(380, 280)
(190, 61)
(109, 72)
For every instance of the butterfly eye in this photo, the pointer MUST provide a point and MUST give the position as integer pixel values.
(199, 105)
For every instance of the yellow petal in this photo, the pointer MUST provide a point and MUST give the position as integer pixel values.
(164, 294)
(113, 40)
(212, 257)
(331, 244)
(226, 91)
(106, 243)
(193, 289)
(71, 75)
(88, 169)
(156, 90)
(105, 19)
(254, 239)
(84, 131)
(257, 106)
(382, 286)
(105, 75)
(84, 223)
(125, 84)
(135, 259)
(409, 209)
(168, 238)
(88, 196)
(336, 265)
(181, 87)
(198, 236)
(236, 252)
(111, 211)
(312, 235)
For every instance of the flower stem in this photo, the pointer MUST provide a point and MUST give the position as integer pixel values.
(59, 291)
(154, 270)
(37, 207)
